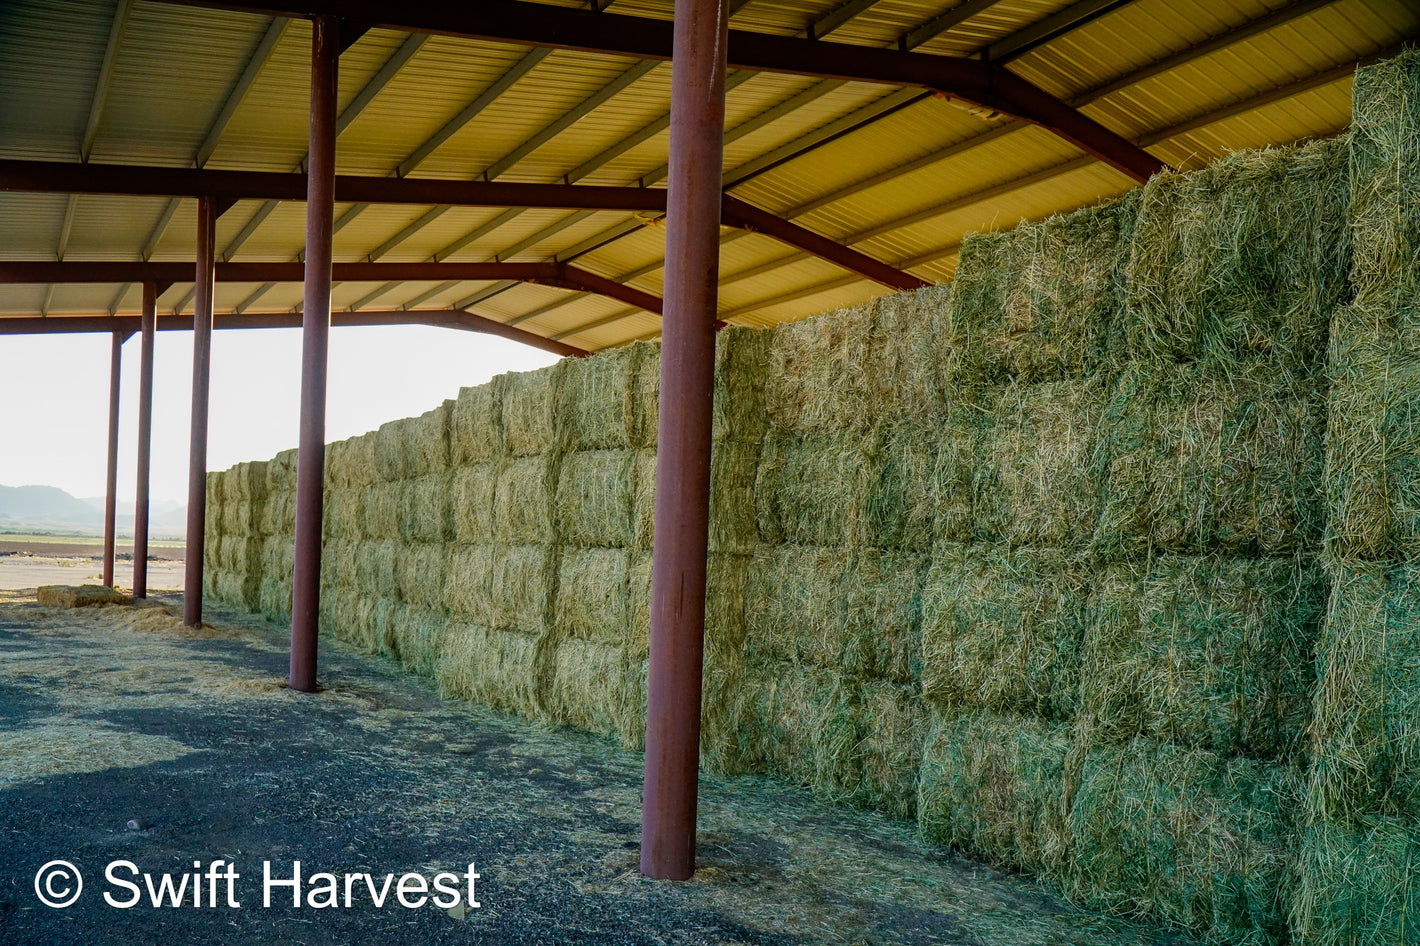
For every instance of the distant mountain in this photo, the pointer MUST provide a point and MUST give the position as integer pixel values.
(50, 509)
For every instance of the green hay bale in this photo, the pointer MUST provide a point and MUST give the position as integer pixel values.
(592, 589)
(343, 513)
(527, 403)
(416, 637)
(595, 493)
(474, 491)
(235, 518)
(475, 425)
(351, 463)
(643, 503)
(1373, 432)
(1366, 714)
(523, 505)
(426, 441)
(498, 668)
(818, 376)
(281, 471)
(277, 514)
(1199, 463)
(1188, 837)
(374, 567)
(809, 489)
(382, 511)
(521, 587)
(858, 613)
(803, 723)
(646, 392)
(1241, 262)
(741, 366)
(900, 503)
(734, 469)
(1206, 653)
(1002, 630)
(389, 453)
(1360, 884)
(467, 592)
(215, 488)
(1039, 302)
(589, 689)
(420, 573)
(1037, 481)
(339, 567)
(892, 721)
(998, 786)
(427, 509)
(908, 344)
(597, 405)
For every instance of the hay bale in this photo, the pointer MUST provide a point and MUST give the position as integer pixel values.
(998, 786)
(809, 488)
(474, 490)
(597, 404)
(900, 502)
(595, 492)
(1037, 479)
(646, 393)
(475, 426)
(734, 469)
(1202, 463)
(892, 723)
(374, 567)
(741, 363)
(343, 513)
(524, 501)
(416, 637)
(389, 453)
(1366, 713)
(818, 377)
(1002, 630)
(1359, 884)
(522, 587)
(277, 514)
(589, 689)
(427, 509)
(801, 722)
(592, 590)
(467, 592)
(498, 668)
(1039, 302)
(1203, 652)
(78, 596)
(420, 574)
(382, 511)
(527, 409)
(1241, 262)
(426, 441)
(908, 345)
(350, 464)
(1186, 836)
(643, 503)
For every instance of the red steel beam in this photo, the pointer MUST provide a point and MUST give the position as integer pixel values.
(225, 186)
(315, 350)
(201, 389)
(115, 368)
(147, 325)
(682, 514)
(753, 218)
(974, 80)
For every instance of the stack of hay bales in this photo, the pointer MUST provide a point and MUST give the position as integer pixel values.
(232, 554)
(1361, 849)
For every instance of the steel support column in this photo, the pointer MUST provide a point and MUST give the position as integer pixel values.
(683, 467)
(145, 441)
(315, 335)
(205, 277)
(111, 488)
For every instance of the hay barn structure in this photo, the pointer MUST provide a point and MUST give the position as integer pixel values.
(1079, 526)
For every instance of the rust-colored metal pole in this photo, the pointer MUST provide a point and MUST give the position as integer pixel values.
(683, 468)
(201, 384)
(315, 336)
(111, 488)
(145, 441)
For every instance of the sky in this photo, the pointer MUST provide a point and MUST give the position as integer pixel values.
(54, 391)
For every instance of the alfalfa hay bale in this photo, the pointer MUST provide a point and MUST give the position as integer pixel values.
(817, 373)
(892, 722)
(1002, 630)
(1360, 884)
(1199, 463)
(524, 502)
(427, 509)
(741, 366)
(474, 489)
(416, 637)
(390, 460)
(1242, 261)
(643, 502)
(998, 786)
(802, 722)
(426, 441)
(468, 595)
(420, 574)
(1041, 458)
(809, 488)
(734, 470)
(908, 347)
(594, 496)
(498, 668)
(381, 511)
(475, 425)
(589, 689)
(597, 405)
(1366, 714)
(521, 587)
(527, 403)
(1039, 303)
(1193, 838)
(1205, 652)
(592, 589)
(900, 503)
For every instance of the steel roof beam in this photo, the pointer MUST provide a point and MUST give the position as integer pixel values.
(978, 81)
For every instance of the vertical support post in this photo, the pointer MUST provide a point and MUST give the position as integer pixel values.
(315, 332)
(115, 366)
(145, 441)
(683, 468)
(201, 383)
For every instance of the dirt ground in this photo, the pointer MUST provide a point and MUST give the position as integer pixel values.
(126, 738)
(25, 565)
